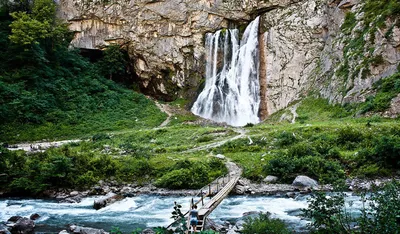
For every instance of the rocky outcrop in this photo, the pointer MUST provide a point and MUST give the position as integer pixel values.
(293, 38)
(309, 48)
(304, 44)
(23, 226)
(86, 230)
(164, 38)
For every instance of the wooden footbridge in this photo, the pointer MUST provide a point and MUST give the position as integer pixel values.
(210, 196)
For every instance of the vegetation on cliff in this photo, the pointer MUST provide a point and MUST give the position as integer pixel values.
(48, 90)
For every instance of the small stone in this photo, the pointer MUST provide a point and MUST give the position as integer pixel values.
(304, 181)
(74, 193)
(290, 194)
(220, 156)
(34, 216)
(270, 179)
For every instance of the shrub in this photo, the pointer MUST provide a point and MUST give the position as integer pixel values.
(193, 177)
(372, 170)
(302, 149)
(264, 224)
(387, 151)
(282, 167)
(349, 135)
(379, 214)
(287, 168)
(286, 138)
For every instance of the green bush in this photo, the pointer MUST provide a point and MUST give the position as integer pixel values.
(132, 168)
(191, 174)
(349, 135)
(264, 224)
(286, 168)
(371, 171)
(286, 138)
(380, 212)
(386, 151)
(302, 149)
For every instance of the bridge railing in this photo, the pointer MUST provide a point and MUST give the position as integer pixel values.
(206, 191)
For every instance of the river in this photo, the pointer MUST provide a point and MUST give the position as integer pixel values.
(147, 211)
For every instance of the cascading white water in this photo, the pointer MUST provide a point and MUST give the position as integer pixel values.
(232, 91)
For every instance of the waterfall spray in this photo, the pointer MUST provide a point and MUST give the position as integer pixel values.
(232, 91)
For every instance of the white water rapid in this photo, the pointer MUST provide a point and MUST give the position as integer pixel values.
(232, 91)
(152, 211)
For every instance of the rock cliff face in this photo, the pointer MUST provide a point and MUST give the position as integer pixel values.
(303, 44)
(165, 38)
(310, 49)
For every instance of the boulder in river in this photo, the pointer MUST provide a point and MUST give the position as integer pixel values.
(98, 204)
(210, 224)
(34, 216)
(14, 219)
(4, 229)
(23, 226)
(86, 230)
(148, 231)
(304, 181)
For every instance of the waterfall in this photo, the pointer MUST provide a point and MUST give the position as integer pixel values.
(232, 91)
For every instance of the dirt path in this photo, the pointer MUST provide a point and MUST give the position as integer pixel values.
(164, 108)
(242, 133)
(40, 146)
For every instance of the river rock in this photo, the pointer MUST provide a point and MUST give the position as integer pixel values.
(270, 179)
(291, 194)
(64, 232)
(211, 225)
(14, 219)
(4, 229)
(34, 216)
(75, 199)
(304, 181)
(251, 213)
(23, 226)
(98, 204)
(86, 230)
(128, 191)
(74, 193)
(148, 231)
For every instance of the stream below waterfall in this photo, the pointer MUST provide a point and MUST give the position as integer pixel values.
(149, 211)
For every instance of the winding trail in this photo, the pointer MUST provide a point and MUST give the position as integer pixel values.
(242, 134)
(164, 108)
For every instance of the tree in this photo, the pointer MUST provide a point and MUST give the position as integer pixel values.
(114, 62)
(31, 26)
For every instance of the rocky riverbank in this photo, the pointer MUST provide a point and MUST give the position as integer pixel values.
(243, 187)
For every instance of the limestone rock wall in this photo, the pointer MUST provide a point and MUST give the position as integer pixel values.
(354, 58)
(302, 44)
(294, 38)
(309, 50)
(165, 38)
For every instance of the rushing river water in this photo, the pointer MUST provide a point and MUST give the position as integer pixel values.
(146, 211)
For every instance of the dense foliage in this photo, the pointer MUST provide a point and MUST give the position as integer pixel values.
(380, 212)
(326, 144)
(48, 90)
(264, 224)
(76, 166)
